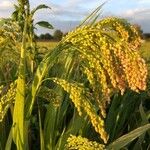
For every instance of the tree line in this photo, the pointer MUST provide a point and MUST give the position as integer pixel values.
(56, 36)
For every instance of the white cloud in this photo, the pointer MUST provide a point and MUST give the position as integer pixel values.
(5, 4)
(73, 3)
(136, 12)
(6, 8)
(143, 1)
(74, 9)
(67, 11)
(140, 16)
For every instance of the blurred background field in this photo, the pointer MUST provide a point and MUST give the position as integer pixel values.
(48, 44)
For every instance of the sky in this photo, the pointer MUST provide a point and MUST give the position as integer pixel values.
(66, 14)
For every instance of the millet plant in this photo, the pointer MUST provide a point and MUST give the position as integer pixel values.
(84, 94)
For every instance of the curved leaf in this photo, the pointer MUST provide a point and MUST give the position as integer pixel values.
(127, 138)
(45, 24)
(42, 6)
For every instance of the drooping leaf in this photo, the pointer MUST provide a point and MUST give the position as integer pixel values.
(42, 6)
(45, 24)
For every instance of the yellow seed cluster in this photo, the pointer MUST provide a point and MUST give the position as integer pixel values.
(134, 68)
(125, 31)
(1, 40)
(6, 100)
(80, 143)
(90, 76)
(109, 49)
(10, 35)
(82, 103)
(10, 31)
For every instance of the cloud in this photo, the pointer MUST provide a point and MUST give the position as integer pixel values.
(72, 10)
(73, 3)
(5, 5)
(64, 12)
(143, 1)
(67, 14)
(140, 16)
(6, 8)
(137, 12)
(84, 3)
(64, 26)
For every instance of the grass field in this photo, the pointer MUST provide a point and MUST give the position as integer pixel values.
(47, 44)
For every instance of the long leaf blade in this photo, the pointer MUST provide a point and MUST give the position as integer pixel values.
(127, 138)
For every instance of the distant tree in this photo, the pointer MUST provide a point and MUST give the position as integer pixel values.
(36, 36)
(58, 34)
(42, 36)
(46, 36)
(146, 36)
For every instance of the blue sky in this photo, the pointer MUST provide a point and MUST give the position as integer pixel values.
(65, 14)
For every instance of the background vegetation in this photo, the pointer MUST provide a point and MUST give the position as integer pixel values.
(57, 36)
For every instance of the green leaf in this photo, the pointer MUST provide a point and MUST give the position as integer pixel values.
(143, 115)
(76, 126)
(18, 113)
(40, 128)
(49, 126)
(9, 141)
(47, 62)
(42, 6)
(45, 24)
(127, 138)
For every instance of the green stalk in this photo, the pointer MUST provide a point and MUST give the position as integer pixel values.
(31, 38)
(18, 115)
